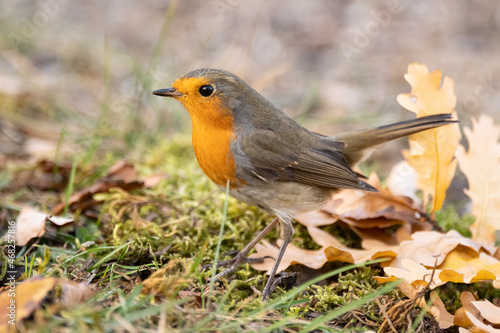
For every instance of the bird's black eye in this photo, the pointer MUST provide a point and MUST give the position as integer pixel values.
(206, 90)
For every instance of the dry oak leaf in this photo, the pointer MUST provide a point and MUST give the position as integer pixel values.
(488, 311)
(483, 311)
(376, 238)
(461, 318)
(477, 315)
(122, 175)
(446, 257)
(431, 152)
(74, 293)
(30, 294)
(438, 310)
(331, 250)
(479, 326)
(59, 220)
(28, 297)
(473, 312)
(481, 166)
(30, 223)
(367, 213)
(363, 209)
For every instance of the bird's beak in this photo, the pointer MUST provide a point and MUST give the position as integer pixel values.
(169, 92)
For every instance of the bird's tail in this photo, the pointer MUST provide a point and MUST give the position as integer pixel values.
(356, 142)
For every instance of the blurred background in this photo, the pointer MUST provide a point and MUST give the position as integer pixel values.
(80, 75)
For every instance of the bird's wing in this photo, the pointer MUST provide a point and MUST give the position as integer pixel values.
(270, 157)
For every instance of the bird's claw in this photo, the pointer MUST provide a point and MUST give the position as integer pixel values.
(232, 265)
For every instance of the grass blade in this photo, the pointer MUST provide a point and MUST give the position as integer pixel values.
(219, 241)
(320, 321)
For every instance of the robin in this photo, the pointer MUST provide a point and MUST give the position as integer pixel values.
(267, 158)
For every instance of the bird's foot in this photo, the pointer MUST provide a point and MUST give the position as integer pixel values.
(283, 279)
(232, 265)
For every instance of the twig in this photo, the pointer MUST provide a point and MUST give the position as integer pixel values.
(387, 318)
(427, 287)
(432, 222)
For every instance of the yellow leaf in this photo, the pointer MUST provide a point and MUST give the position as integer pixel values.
(446, 257)
(461, 318)
(478, 314)
(481, 166)
(28, 297)
(426, 98)
(473, 268)
(31, 294)
(431, 152)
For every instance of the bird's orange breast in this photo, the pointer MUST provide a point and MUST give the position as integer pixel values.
(212, 133)
(212, 150)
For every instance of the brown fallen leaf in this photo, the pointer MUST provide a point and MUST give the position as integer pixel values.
(448, 257)
(481, 166)
(121, 171)
(466, 298)
(194, 296)
(488, 311)
(363, 209)
(122, 175)
(464, 266)
(49, 166)
(47, 176)
(331, 250)
(153, 180)
(431, 152)
(479, 326)
(430, 247)
(314, 259)
(29, 296)
(367, 213)
(74, 293)
(461, 318)
(30, 223)
(477, 315)
(59, 220)
(438, 310)
(377, 238)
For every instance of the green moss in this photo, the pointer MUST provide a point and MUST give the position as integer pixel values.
(450, 293)
(176, 225)
(345, 235)
(448, 218)
(349, 286)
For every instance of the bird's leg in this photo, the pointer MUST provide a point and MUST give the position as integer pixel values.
(236, 261)
(286, 235)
